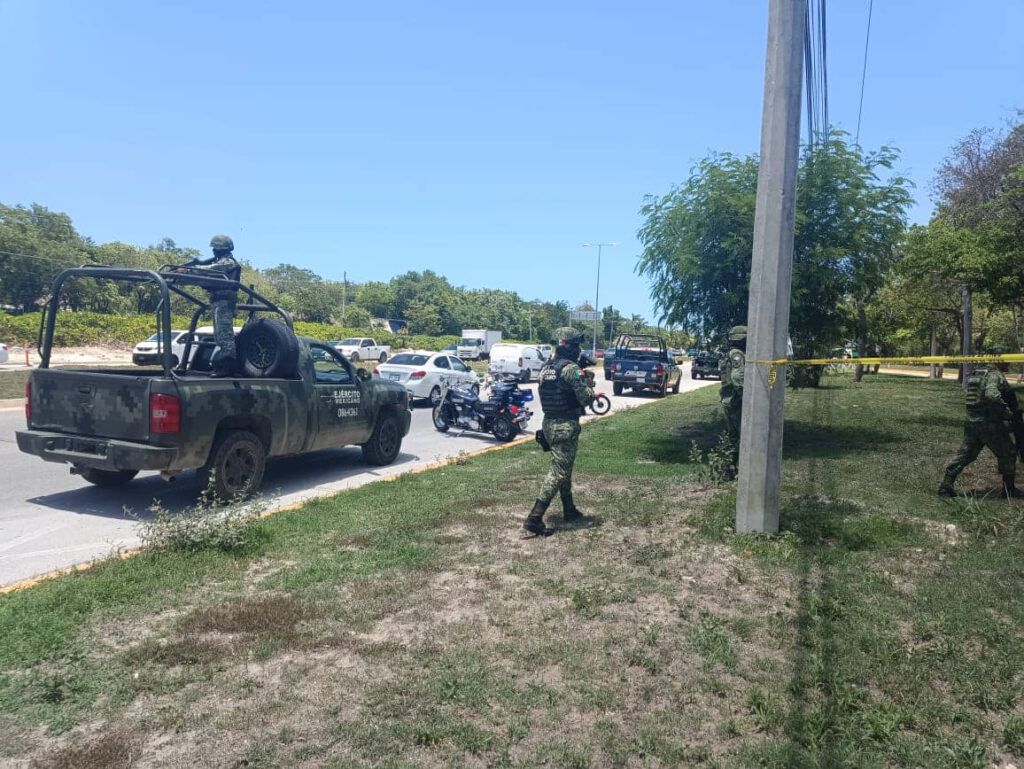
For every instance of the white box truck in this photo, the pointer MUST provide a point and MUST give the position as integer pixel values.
(476, 343)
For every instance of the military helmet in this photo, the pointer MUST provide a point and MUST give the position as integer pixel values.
(222, 243)
(737, 334)
(567, 336)
(997, 349)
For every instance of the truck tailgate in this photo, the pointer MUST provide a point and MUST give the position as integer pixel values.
(90, 403)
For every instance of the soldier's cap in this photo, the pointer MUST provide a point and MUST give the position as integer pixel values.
(222, 243)
(566, 336)
(737, 333)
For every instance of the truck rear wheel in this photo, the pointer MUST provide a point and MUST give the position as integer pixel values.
(354, 357)
(385, 442)
(98, 477)
(617, 388)
(235, 467)
(383, 357)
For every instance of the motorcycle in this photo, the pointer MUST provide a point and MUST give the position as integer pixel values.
(504, 413)
(601, 404)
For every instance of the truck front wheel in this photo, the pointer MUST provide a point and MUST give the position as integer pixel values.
(98, 477)
(235, 467)
(385, 443)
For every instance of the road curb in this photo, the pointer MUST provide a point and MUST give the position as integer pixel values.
(30, 582)
(25, 584)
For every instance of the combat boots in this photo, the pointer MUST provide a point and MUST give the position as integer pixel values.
(1010, 488)
(570, 512)
(946, 487)
(534, 523)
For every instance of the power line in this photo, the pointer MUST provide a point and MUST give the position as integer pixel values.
(864, 71)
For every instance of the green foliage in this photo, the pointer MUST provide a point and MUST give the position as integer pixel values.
(85, 328)
(698, 240)
(206, 525)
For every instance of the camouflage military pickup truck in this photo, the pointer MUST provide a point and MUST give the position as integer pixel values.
(110, 424)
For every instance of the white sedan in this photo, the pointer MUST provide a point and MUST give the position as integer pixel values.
(423, 373)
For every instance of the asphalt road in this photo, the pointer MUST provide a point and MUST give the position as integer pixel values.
(50, 519)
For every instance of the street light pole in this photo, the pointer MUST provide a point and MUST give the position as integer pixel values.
(597, 291)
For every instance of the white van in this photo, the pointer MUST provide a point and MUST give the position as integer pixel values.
(523, 360)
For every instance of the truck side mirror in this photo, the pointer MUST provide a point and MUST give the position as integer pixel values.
(362, 374)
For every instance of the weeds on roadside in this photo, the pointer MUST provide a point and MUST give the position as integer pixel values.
(206, 525)
(714, 466)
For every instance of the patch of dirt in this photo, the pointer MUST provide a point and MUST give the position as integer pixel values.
(118, 749)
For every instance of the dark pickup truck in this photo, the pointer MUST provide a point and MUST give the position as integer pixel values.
(641, 362)
(109, 424)
(706, 365)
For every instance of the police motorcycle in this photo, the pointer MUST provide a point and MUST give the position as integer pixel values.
(504, 413)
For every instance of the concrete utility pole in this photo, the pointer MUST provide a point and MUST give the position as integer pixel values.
(344, 295)
(597, 290)
(760, 470)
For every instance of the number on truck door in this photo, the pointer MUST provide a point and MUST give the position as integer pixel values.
(342, 413)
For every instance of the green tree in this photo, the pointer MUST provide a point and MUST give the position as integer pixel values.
(423, 318)
(698, 240)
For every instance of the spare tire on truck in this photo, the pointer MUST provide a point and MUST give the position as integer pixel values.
(267, 348)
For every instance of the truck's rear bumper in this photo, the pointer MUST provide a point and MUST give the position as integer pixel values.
(102, 453)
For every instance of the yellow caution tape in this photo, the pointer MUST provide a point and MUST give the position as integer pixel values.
(921, 360)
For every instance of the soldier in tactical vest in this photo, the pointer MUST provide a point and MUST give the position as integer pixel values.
(731, 390)
(564, 394)
(223, 303)
(991, 406)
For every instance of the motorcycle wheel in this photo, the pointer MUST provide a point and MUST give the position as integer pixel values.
(442, 418)
(601, 404)
(503, 428)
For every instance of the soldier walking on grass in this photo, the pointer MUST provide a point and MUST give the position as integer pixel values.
(223, 303)
(564, 393)
(991, 409)
(731, 390)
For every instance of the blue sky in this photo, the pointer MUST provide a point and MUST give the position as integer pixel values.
(481, 141)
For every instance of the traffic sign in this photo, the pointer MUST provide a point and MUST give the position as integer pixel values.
(585, 315)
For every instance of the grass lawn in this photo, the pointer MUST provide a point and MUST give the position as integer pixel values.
(406, 623)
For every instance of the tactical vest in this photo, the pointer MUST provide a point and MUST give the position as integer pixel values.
(557, 397)
(973, 386)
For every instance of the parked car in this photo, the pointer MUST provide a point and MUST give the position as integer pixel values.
(706, 365)
(641, 363)
(362, 348)
(609, 358)
(4, 352)
(147, 353)
(422, 373)
(523, 361)
(546, 349)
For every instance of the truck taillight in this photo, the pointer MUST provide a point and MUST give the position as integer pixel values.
(164, 413)
(417, 375)
(613, 368)
(376, 372)
(28, 401)
(660, 370)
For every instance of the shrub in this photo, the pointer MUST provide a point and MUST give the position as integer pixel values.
(74, 329)
(206, 525)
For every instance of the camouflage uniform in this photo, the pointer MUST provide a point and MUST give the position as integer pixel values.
(987, 424)
(564, 392)
(731, 390)
(223, 304)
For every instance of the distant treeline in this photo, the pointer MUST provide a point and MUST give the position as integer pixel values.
(37, 243)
